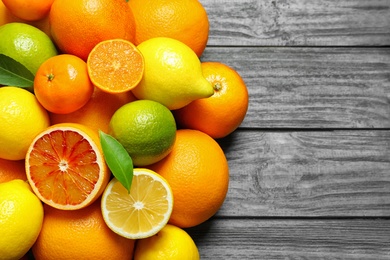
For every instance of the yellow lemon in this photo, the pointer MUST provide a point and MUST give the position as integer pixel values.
(170, 243)
(21, 119)
(173, 74)
(21, 218)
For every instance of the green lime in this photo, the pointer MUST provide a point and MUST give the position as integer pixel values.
(146, 129)
(26, 44)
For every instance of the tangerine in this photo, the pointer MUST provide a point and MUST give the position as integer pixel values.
(10, 170)
(115, 66)
(62, 84)
(29, 10)
(222, 113)
(198, 173)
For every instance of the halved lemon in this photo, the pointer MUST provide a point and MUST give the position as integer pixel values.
(141, 213)
(65, 166)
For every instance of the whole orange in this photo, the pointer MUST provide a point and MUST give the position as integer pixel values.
(78, 25)
(62, 84)
(97, 112)
(198, 173)
(29, 10)
(7, 17)
(183, 20)
(220, 114)
(79, 234)
(10, 170)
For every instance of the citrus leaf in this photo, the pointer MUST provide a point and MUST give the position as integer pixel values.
(117, 159)
(13, 73)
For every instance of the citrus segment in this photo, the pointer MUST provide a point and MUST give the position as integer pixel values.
(141, 213)
(65, 166)
(115, 66)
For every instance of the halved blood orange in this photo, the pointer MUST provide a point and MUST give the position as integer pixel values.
(65, 166)
(115, 66)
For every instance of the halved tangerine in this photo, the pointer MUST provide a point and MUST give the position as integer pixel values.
(115, 66)
(65, 166)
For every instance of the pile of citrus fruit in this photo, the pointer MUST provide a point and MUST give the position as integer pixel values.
(108, 128)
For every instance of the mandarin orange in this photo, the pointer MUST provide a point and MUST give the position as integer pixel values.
(78, 25)
(62, 84)
(198, 173)
(183, 20)
(97, 113)
(115, 66)
(220, 114)
(80, 234)
(29, 10)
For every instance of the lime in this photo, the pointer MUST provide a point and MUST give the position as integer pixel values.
(26, 44)
(21, 218)
(146, 129)
(170, 243)
(22, 117)
(172, 75)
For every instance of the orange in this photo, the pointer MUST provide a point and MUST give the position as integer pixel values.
(65, 166)
(78, 25)
(198, 173)
(115, 66)
(7, 17)
(97, 113)
(10, 170)
(220, 114)
(62, 84)
(183, 20)
(29, 10)
(80, 234)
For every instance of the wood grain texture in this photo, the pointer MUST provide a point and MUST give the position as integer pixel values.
(312, 87)
(308, 174)
(293, 239)
(298, 22)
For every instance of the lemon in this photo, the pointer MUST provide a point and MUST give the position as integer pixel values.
(170, 243)
(173, 74)
(21, 217)
(146, 129)
(21, 119)
(141, 213)
(26, 44)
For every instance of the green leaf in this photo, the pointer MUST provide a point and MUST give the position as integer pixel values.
(13, 73)
(117, 159)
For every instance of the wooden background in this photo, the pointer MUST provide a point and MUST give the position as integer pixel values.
(310, 164)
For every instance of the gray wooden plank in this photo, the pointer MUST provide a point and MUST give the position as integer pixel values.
(312, 239)
(312, 87)
(307, 174)
(298, 22)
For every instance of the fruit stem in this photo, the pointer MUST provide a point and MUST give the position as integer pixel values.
(217, 86)
(50, 76)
